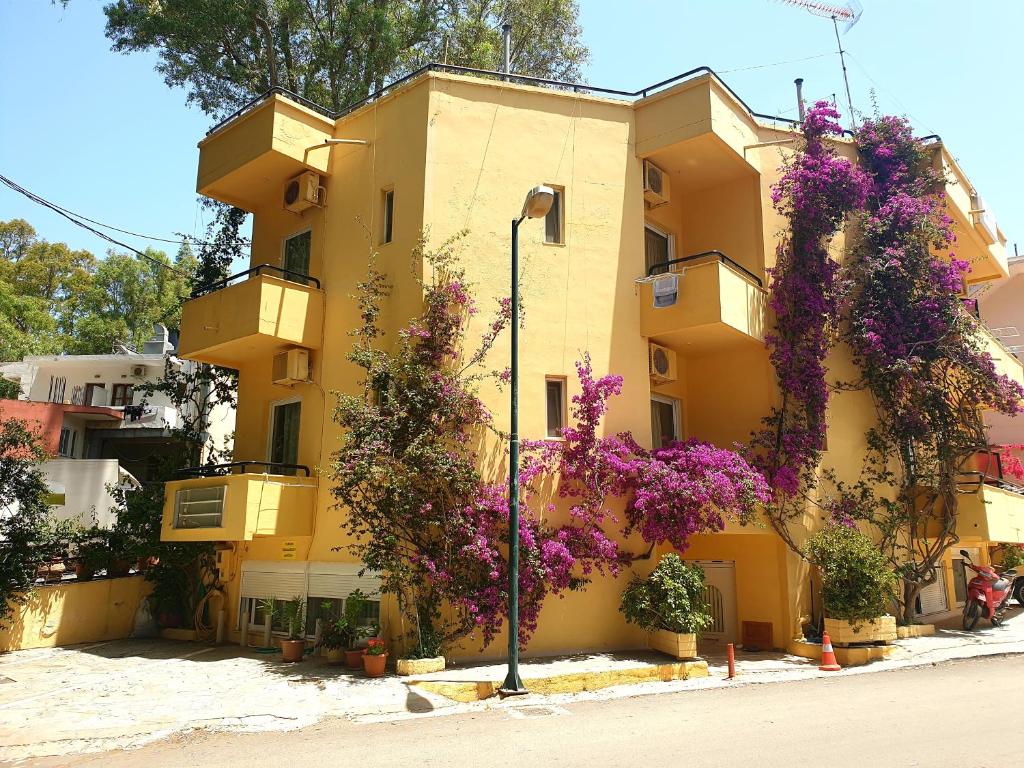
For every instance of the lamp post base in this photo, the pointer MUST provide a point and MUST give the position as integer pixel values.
(513, 686)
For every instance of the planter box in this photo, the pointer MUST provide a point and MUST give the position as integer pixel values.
(878, 630)
(678, 646)
(915, 630)
(419, 666)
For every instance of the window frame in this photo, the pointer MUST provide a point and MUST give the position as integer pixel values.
(309, 257)
(387, 215)
(176, 517)
(121, 394)
(273, 405)
(66, 442)
(670, 237)
(558, 206)
(277, 629)
(677, 417)
(563, 405)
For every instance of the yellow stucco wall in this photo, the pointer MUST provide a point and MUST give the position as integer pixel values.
(76, 612)
(460, 154)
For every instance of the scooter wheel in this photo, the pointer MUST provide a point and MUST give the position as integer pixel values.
(971, 615)
(1018, 591)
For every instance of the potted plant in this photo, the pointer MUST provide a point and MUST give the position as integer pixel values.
(857, 585)
(355, 620)
(670, 605)
(375, 658)
(293, 614)
(335, 639)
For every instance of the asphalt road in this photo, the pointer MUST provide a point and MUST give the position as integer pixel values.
(961, 714)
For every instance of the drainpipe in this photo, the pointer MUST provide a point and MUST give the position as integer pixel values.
(506, 36)
(800, 96)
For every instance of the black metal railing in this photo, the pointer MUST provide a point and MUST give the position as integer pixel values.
(295, 277)
(663, 267)
(510, 77)
(215, 470)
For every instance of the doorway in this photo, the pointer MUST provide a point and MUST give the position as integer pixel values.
(720, 595)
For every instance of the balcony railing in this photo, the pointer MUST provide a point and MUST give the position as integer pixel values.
(665, 267)
(240, 468)
(287, 274)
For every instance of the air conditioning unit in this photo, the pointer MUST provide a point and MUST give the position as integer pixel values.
(662, 364)
(291, 367)
(303, 192)
(656, 185)
(138, 371)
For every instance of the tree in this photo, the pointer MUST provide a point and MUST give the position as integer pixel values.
(28, 535)
(335, 52)
(222, 246)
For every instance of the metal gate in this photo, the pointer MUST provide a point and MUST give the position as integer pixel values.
(720, 595)
(932, 598)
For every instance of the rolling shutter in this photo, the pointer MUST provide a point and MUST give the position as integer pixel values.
(339, 580)
(268, 579)
(933, 597)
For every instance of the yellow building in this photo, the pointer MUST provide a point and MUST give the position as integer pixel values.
(680, 174)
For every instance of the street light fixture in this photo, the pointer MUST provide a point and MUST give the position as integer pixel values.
(536, 206)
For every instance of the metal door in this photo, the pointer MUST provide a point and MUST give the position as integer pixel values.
(720, 594)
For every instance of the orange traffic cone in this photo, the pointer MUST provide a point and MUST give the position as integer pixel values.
(828, 656)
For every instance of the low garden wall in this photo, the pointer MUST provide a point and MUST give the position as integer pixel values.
(75, 612)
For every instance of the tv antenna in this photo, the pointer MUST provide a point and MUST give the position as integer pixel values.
(849, 13)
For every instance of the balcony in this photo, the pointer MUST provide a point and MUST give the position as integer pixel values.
(979, 240)
(245, 161)
(220, 504)
(718, 304)
(1005, 361)
(229, 324)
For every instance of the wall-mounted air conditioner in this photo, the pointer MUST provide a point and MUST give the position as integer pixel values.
(662, 364)
(138, 371)
(290, 367)
(656, 185)
(303, 192)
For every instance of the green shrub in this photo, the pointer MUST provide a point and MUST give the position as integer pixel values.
(671, 598)
(858, 583)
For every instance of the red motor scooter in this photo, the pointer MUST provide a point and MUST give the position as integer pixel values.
(988, 593)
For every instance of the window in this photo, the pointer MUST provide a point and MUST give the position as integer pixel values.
(296, 257)
(284, 435)
(657, 248)
(555, 397)
(199, 507)
(122, 395)
(66, 445)
(328, 609)
(95, 394)
(554, 222)
(388, 217)
(666, 425)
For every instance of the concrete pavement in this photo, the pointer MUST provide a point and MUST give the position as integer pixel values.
(920, 716)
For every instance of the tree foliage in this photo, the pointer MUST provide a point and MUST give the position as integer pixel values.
(858, 581)
(54, 299)
(670, 598)
(335, 52)
(28, 534)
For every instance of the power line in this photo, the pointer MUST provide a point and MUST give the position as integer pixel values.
(187, 241)
(71, 217)
(775, 63)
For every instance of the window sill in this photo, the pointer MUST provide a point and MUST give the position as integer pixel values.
(550, 439)
(555, 245)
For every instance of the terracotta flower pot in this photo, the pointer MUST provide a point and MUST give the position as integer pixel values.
(118, 568)
(374, 665)
(354, 658)
(84, 572)
(293, 650)
(335, 655)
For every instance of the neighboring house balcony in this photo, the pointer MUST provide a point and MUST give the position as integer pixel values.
(979, 240)
(990, 507)
(247, 159)
(1005, 361)
(716, 303)
(252, 315)
(238, 502)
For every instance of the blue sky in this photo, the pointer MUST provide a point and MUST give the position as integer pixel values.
(99, 133)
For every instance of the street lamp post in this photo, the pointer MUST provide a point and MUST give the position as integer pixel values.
(537, 204)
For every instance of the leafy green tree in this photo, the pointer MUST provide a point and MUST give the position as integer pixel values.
(223, 245)
(28, 535)
(335, 52)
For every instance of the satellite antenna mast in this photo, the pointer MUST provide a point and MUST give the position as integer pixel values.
(849, 13)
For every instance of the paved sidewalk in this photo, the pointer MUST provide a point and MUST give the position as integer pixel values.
(128, 693)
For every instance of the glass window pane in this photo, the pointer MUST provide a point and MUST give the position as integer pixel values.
(389, 216)
(663, 423)
(555, 407)
(655, 250)
(553, 220)
(284, 447)
(296, 256)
